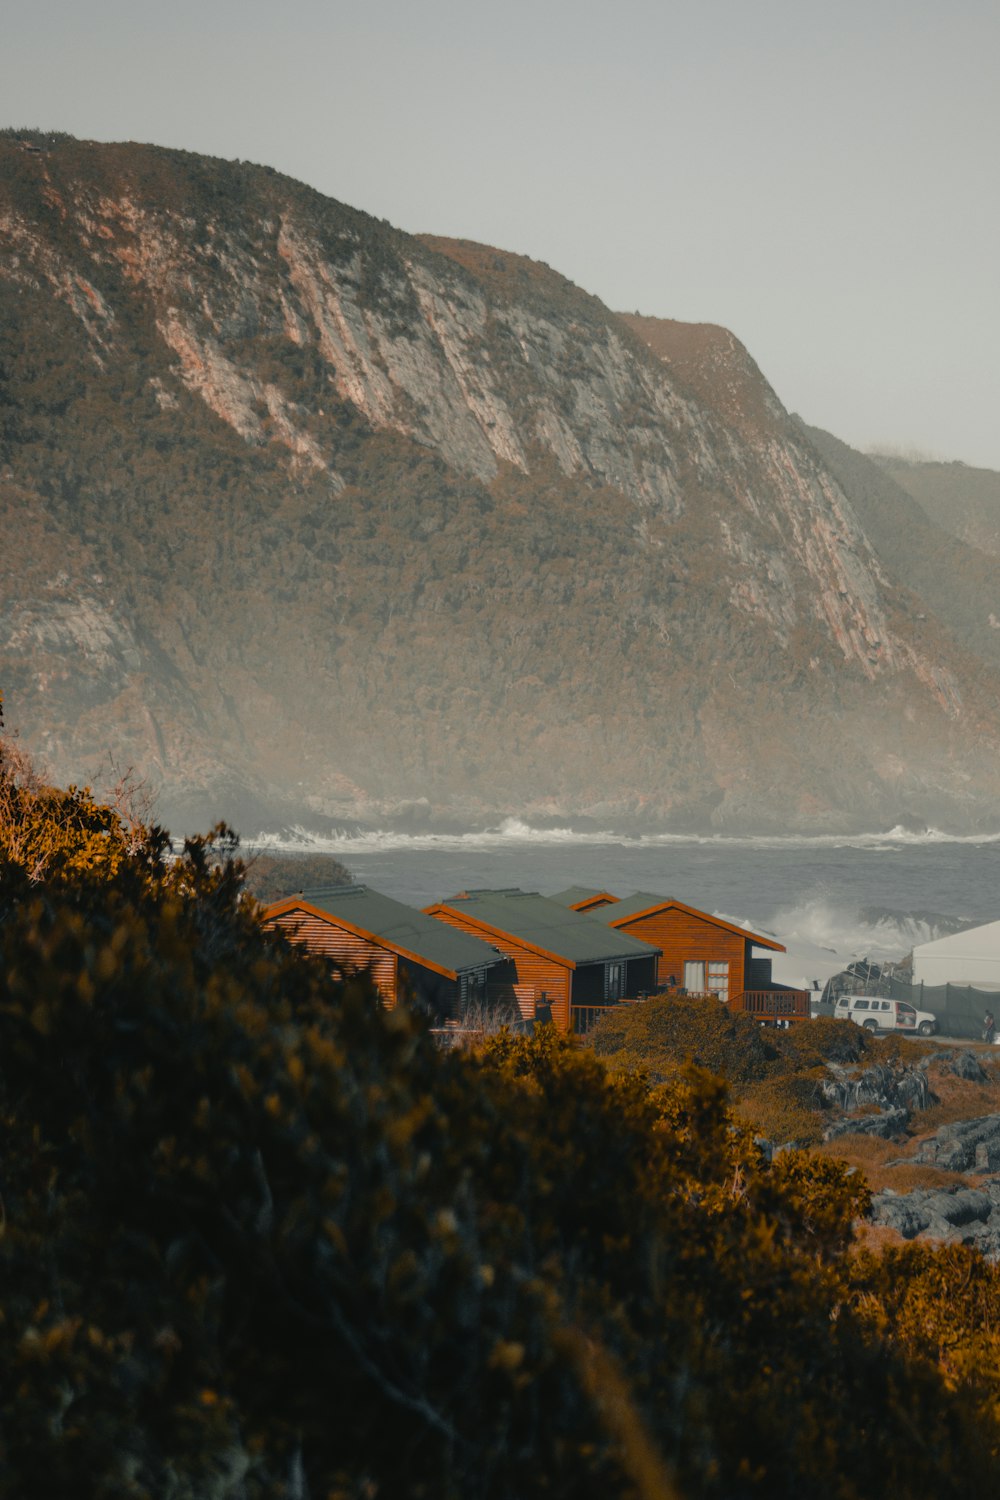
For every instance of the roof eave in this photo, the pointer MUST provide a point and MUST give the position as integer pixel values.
(756, 939)
(282, 908)
(502, 932)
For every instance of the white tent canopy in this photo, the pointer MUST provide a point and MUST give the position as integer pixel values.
(971, 957)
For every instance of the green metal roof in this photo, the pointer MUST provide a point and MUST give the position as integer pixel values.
(544, 923)
(577, 893)
(638, 901)
(403, 926)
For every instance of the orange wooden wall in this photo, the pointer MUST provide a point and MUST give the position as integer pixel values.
(344, 948)
(534, 974)
(686, 938)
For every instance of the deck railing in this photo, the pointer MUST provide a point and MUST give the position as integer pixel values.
(583, 1017)
(773, 1005)
(763, 1005)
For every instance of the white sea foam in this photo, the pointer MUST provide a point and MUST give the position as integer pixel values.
(823, 936)
(508, 834)
(881, 935)
(829, 899)
(515, 831)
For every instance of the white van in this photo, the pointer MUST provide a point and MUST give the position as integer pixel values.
(876, 1014)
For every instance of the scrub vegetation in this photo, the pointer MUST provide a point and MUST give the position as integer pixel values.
(268, 877)
(773, 1076)
(262, 1239)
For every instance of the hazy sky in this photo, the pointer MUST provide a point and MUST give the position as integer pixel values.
(823, 179)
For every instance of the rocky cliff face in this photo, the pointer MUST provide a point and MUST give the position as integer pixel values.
(302, 512)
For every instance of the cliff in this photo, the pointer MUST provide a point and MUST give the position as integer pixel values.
(306, 517)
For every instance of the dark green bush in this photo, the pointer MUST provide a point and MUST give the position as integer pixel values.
(262, 1239)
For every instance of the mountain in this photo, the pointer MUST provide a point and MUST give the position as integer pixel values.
(955, 580)
(963, 500)
(306, 518)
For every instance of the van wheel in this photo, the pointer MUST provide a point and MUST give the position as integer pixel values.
(925, 1028)
(870, 1025)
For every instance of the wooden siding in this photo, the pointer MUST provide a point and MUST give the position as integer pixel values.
(758, 974)
(524, 994)
(686, 937)
(533, 974)
(346, 950)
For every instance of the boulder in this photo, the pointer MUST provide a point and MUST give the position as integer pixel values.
(886, 1124)
(966, 1146)
(892, 1091)
(958, 1215)
(967, 1065)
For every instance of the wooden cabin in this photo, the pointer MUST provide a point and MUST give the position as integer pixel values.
(408, 955)
(564, 963)
(699, 953)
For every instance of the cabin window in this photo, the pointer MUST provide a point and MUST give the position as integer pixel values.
(694, 977)
(717, 982)
(614, 981)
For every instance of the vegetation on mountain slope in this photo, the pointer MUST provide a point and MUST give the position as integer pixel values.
(303, 515)
(261, 1238)
(956, 581)
(959, 498)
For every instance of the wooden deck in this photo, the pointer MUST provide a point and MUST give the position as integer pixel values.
(772, 1005)
(769, 1007)
(583, 1017)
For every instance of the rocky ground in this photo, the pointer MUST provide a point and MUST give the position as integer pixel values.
(927, 1135)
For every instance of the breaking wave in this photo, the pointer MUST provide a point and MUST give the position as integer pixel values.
(512, 832)
(508, 834)
(874, 932)
(830, 900)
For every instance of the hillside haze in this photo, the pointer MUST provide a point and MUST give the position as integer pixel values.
(306, 519)
(962, 499)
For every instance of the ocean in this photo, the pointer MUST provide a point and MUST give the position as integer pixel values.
(830, 900)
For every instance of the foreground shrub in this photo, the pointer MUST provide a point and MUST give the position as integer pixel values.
(662, 1034)
(263, 1239)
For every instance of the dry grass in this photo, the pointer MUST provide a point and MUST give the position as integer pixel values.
(905, 1176)
(888, 1164)
(782, 1109)
(876, 1238)
(481, 1021)
(959, 1098)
